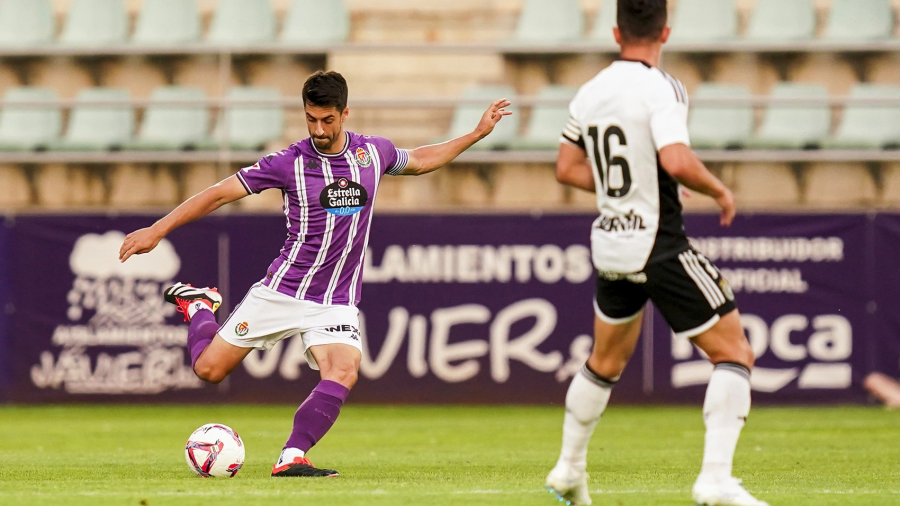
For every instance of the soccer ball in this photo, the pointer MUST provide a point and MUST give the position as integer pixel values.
(214, 450)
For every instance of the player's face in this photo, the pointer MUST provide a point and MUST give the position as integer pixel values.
(326, 125)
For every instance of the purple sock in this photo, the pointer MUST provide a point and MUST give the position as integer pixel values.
(201, 332)
(317, 414)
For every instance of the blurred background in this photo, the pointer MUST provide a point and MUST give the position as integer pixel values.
(114, 111)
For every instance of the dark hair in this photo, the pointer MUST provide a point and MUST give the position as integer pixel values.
(641, 19)
(326, 89)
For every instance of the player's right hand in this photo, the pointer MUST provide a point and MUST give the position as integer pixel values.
(491, 117)
(729, 210)
(139, 242)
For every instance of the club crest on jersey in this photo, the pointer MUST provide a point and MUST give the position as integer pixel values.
(242, 329)
(362, 156)
(344, 197)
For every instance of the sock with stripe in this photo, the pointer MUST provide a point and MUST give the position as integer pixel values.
(586, 400)
(317, 414)
(725, 411)
(201, 332)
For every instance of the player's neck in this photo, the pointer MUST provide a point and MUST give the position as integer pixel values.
(647, 53)
(338, 145)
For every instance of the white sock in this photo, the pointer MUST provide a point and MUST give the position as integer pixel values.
(289, 454)
(585, 402)
(197, 306)
(725, 411)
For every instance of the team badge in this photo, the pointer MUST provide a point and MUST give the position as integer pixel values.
(242, 329)
(362, 156)
(344, 197)
(726, 289)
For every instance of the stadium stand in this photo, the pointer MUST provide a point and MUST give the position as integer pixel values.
(242, 22)
(604, 22)
(332, 23)
(547, 121)
(98, 126)
(26, 127)
(782, 20)
(168, 22)
(173, 127)
(704, 21)
(26, 23)
(795, 126)
(249, 127)
(470, 113)
(95, 23)
(860, 20)
(870, 126)
(717, 126)
(550, 21)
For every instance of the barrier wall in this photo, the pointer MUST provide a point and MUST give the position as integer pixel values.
(456, 308)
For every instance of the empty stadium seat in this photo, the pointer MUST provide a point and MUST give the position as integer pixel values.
(605, 22)
(704, 21)
(95, 22)
(240, 22)
(97, 127)
(316, 22)
(173, 127)
(860, 20)
(547, 121)
(26, 22)
(795, 126)
(869, 126)
(24, 128)
(467, 116)
(162, 22)
(780, 20)
(250, 127)
(718, 126)
(550, 21)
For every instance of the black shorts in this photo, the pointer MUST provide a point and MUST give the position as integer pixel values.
(688, 290)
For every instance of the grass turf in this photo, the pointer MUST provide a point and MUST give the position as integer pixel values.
(100, 455)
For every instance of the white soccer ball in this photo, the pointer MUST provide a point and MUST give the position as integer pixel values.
(214, 450)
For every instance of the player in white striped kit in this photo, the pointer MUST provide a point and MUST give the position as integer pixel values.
(627, 141)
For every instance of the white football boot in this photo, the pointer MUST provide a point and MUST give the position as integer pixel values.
(569, 486)
(726, 493)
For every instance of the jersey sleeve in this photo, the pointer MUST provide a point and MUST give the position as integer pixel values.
(394, 159)
(669, 115)
(269, 172)
(572, 132)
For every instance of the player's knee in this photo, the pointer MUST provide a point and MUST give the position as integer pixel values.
(741, 353)
(209, 373)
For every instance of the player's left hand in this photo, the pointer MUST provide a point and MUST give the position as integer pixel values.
(139, 242)
(491, 117)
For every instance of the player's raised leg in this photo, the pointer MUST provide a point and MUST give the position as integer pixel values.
(725, 411)
(586, 401)
(339, 366)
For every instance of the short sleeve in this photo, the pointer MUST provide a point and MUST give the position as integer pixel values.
(394, 160)
(669, 115)
(269, 172)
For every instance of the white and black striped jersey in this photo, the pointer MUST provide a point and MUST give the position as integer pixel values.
(622, 118)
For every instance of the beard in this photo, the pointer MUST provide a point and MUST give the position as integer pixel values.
(325, 143)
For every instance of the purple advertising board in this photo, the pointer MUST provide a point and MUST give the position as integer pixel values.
(5, 308)
(455, 309)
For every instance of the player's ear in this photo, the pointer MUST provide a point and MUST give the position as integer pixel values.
(618, 35)
(345, 114)
(664, 36)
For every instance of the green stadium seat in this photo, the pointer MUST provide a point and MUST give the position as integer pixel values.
(97, 127)
(26, 22)
(860, 20)
(467, 116)
(717, 126)
(704, 21)
(173, 127)
(168, 22)
(548, 21)
(869, 126)
(605, 22)
(331, 22)
(27, 128)
(547, 121)
(95, 23)
(242, 22)
(781, 20)
(795, 126)
(250, 127)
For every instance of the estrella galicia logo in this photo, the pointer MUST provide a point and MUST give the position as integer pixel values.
(343, 197)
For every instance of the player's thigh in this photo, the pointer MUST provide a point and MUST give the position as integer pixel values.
(332, 341)
(262, 319)
(618, 308)
(337, 362)
(726, 342)
(219, 359)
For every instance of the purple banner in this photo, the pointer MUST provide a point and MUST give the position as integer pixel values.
(456, 308)
(6, 307)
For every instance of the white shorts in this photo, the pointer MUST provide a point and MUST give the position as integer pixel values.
(266, 316)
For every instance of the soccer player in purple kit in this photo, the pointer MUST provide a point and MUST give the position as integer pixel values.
(329, 183)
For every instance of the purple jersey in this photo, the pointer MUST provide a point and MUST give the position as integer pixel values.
(328, 201)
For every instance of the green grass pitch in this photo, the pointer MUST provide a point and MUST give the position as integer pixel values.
(134, 455)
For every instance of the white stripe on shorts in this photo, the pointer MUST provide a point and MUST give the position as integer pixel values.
(702, 280)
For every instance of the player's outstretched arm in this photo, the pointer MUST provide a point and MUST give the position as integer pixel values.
(196, 207)
(427, 159)
(573, 168)
(681, 162)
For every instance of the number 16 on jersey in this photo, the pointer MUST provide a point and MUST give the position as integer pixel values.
(613, 171)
